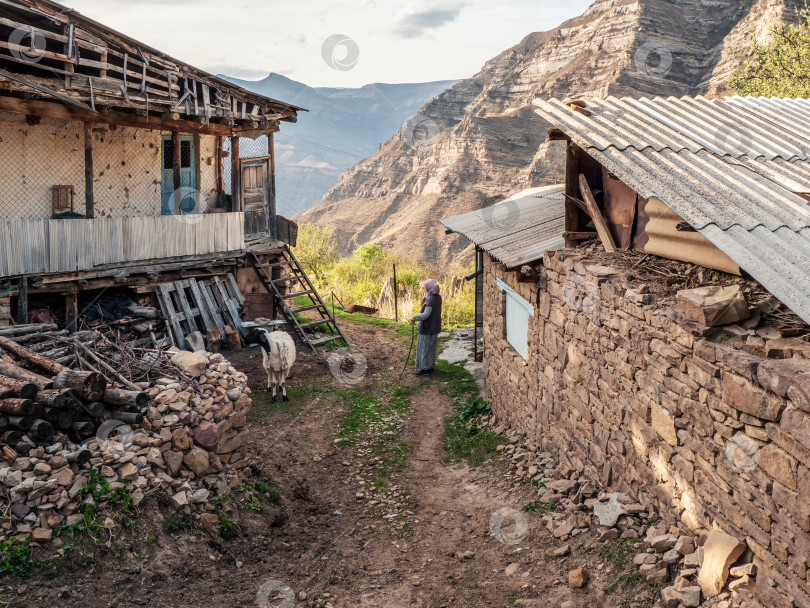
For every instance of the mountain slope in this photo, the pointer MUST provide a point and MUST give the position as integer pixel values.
(480, 141)
(342, 127)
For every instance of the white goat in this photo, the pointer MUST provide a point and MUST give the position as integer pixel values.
(278, 356)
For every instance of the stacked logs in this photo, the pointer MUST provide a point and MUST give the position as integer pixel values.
(41, 399)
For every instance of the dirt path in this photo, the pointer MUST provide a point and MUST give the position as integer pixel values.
(329, 547)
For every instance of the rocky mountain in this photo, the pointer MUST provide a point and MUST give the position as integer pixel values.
(342, 127)
(480, 141)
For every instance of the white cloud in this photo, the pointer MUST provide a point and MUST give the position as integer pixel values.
(420, 41)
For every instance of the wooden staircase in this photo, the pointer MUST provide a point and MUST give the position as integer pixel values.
(285, 291)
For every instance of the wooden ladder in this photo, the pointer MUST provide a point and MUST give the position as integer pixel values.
(297, 279)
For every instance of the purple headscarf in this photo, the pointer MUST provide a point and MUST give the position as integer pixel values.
(431, 287)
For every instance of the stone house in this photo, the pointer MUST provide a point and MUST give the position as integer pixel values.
(590, 351)
(114, 160)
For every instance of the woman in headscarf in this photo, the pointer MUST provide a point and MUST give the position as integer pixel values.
(430, 324)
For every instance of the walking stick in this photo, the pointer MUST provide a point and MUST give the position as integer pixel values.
(410, 350)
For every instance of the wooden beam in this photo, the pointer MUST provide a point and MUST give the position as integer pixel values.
(272, 211)
(176, 169)
(236, 176)
(71, 311)
(89, 197)
(218, 159)
(571, 190)
(48, 109)
(580, 236)
(596, 215)
(22, 302)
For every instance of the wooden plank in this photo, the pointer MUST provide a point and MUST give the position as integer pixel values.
(89, 199)
(71, 312)
(205, 290)
(205, 315)
(231, 308)
(179, 287)
(596, 215)
(234, 288)
(165, 299)
(236, 176)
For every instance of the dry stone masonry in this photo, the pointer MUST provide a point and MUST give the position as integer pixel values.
(707, 426)
(192, 438)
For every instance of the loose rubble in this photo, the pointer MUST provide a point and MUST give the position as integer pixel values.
(694, 568)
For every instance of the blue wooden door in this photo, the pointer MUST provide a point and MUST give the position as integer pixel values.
(188, 177)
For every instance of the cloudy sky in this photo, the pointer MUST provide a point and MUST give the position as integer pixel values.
(328, 43)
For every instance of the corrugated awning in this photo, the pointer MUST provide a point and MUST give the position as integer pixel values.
(732, 168)
(519, 229)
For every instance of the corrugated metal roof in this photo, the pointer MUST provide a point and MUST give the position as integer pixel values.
(730, 167)
(519, 229)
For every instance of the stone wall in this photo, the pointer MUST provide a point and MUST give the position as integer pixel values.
(649, 405)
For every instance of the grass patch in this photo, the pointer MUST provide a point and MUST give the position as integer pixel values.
(626, 581)
(176, 523)
(539, 507)
(617, 552)
(399, 527)
(99, 498)
(16, 558)
(460, 383)
(464, 440)
(373, 420)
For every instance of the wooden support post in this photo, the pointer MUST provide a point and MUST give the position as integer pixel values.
(396, 298)
(596, 215)
(219, 170)
(571, 189)
(272, 211)
(22, 302)
(71, 311)
(89, 199)
(236, 176)
(177, 199)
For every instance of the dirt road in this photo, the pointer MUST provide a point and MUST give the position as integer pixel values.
(421, 539)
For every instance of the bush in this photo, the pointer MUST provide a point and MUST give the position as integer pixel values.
(359, 279)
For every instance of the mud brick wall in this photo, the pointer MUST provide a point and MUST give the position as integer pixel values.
(633, 398)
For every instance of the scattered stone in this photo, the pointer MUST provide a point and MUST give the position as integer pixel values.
(578, 578)
(608, 514)
(720, 552)
(562, 551)
(663, 543)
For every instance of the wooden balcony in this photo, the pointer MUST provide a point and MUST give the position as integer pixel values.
(46, 246)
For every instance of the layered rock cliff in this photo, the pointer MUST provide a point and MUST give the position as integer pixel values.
(480, 141)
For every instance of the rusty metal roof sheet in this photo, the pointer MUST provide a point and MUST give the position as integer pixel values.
(733, 168)
(519, 229)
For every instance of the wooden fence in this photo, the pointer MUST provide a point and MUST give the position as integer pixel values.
(50, 246)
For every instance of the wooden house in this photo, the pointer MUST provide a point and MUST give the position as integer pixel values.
(113, 163)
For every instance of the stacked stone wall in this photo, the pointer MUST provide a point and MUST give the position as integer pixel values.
(645, 403)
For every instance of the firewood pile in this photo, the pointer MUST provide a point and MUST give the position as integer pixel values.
(40, 396)
(148, 418)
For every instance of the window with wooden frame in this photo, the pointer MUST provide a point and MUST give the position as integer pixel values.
(62, 200)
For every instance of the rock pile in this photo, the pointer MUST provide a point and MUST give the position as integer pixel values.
(192, 436)
(695, 568)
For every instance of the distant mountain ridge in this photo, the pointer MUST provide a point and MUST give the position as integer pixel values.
(487, 142)
(342, 127)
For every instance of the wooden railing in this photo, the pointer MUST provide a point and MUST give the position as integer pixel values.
(51, 246)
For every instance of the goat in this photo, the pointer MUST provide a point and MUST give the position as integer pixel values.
(278, 356)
